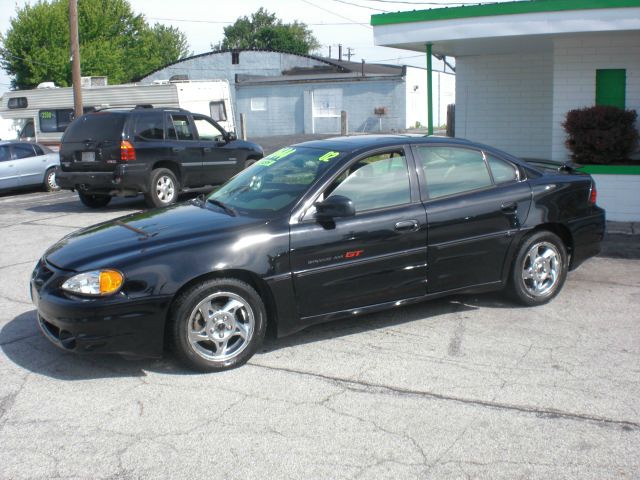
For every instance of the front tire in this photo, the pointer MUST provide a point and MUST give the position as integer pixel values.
(49, 183)
(94, 201)
(217, 325)
(163, 188)
(540, 269)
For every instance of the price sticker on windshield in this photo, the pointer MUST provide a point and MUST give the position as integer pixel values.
(265, 163)
(280, 154)
(328, 156)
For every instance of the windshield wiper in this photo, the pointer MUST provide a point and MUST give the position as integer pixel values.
(230, 210)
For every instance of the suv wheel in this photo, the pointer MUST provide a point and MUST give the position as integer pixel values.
(163, 188)
(94, 201)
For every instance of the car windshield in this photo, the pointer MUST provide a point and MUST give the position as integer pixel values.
(276, 182)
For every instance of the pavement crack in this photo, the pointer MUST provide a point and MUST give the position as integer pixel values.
(552, 413)
(19, 339)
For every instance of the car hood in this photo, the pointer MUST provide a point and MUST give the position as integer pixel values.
(115, 241)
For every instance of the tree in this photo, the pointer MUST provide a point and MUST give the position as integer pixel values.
(114, 41)
(264, 31)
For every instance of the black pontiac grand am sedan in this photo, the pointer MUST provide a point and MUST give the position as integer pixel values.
(315, 232)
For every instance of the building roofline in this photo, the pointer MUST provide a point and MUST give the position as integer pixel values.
(215, 52)
(493, 9)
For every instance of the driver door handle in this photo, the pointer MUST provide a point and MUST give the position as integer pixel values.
(207, 149)
(407, 226)
(178, 149)
(510, 207)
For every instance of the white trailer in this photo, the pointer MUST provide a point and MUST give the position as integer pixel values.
(43, 114)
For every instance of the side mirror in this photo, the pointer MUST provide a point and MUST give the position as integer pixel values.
(335, 207)
(231, 136)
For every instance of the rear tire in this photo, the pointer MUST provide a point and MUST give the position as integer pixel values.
(50, 184)
(539, 269)
(249, 161)
(94, 201)
(163, 188)
(217, 325)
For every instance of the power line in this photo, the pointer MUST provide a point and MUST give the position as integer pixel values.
(336, 14)
(361, 6)
(434, 4)
(187, 20)
(5, 53)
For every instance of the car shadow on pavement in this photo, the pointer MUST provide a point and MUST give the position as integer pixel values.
(390, 318)
(22, 342)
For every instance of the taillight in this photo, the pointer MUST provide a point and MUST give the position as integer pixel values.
(593, 196)
(127, 152)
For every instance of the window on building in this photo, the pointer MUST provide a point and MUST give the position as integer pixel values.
(235, 58)
(218, 111)
(611, 85)
(327, 102)
(258, 104)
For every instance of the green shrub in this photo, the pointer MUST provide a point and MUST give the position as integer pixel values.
(601, 134)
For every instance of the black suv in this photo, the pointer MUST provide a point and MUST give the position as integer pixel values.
(154, 151)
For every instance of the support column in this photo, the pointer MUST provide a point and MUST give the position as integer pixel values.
(429, 91)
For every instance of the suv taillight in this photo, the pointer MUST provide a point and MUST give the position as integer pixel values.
(593, 196)
(127, 152)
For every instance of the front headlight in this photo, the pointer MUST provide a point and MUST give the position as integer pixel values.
(95, 283)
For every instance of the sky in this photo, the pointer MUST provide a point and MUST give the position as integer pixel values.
(332, 22)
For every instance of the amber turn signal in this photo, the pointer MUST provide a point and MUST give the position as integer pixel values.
(110, 281)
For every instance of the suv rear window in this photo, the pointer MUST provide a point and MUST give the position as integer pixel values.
(96, 126)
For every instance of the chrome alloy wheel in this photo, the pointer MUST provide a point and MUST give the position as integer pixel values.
(221, 326)
(165, 189)
(541, 269)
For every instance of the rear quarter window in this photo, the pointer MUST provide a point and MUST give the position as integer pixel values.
(96, 127)
(149, 126)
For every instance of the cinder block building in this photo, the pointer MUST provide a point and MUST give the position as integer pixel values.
(283, 93)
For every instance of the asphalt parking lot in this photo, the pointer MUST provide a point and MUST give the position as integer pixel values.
(464, 387)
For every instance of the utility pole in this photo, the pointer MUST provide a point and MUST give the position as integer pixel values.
(350, 53)
(75, 57)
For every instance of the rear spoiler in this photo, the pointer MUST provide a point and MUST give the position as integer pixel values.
(568, 166)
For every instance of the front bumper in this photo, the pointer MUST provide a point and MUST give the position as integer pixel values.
(118, 324)
(125, 179)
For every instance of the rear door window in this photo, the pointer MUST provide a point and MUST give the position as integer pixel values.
(22, 150)
(453, 170)
(96, 127)
(4, 153)
(179, 127)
